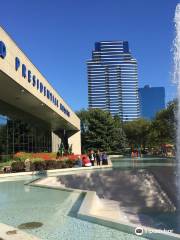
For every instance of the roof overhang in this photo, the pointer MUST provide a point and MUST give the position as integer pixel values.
(18, 97)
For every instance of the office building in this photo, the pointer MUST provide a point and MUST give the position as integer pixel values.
(113, 80)
(152, 100)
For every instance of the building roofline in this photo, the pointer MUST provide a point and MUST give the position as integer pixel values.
(23, 52)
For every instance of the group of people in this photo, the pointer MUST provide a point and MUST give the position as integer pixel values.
(91, 159)
(99, 157)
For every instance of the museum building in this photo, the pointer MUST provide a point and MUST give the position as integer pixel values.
(33, 116)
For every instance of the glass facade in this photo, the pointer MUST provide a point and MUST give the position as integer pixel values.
(20, 136)
(113, 80)
(152, 100)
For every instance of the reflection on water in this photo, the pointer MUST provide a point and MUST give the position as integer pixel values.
(48, 214)
(141, 188)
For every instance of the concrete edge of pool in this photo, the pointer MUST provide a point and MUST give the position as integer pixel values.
(49, 172)
(85, 214)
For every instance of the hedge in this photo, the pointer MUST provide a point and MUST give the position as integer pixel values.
(40, 164)
(18, 166)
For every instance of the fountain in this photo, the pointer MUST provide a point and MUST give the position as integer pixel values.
(176, 79)
(176, 76)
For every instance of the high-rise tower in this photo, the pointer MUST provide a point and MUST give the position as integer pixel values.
(113, 80)
(152, 100)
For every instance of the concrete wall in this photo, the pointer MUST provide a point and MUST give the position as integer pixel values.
(75, 140)
(56, 140)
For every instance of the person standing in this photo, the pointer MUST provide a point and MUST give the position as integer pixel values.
(98, 158)
(92, 157)
(104, 159)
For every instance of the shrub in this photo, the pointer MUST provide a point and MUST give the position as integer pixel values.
(69, 163)
(60, 164)
(18, 166)
(38, 164)
(45, 156)
(20, 158)
(42, 155)
(5, 158)
(51, 164)
(22, 155)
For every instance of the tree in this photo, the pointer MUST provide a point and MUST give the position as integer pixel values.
(156, 132)
(120, 141)
(163, 127)
(137, 132)
(99, 130)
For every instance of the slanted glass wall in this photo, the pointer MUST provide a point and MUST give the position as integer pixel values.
(18, 135)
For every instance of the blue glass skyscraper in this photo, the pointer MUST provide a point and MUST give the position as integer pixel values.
(113, 80)
(152, 100)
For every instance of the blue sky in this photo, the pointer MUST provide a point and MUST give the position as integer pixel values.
(59, 35)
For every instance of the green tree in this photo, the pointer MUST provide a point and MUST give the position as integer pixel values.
(163, 127)
(137, 132)
(99, 130)
(120, 140)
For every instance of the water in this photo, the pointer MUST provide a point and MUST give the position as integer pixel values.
(51, 214)
(177, 81)
(140, 191)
